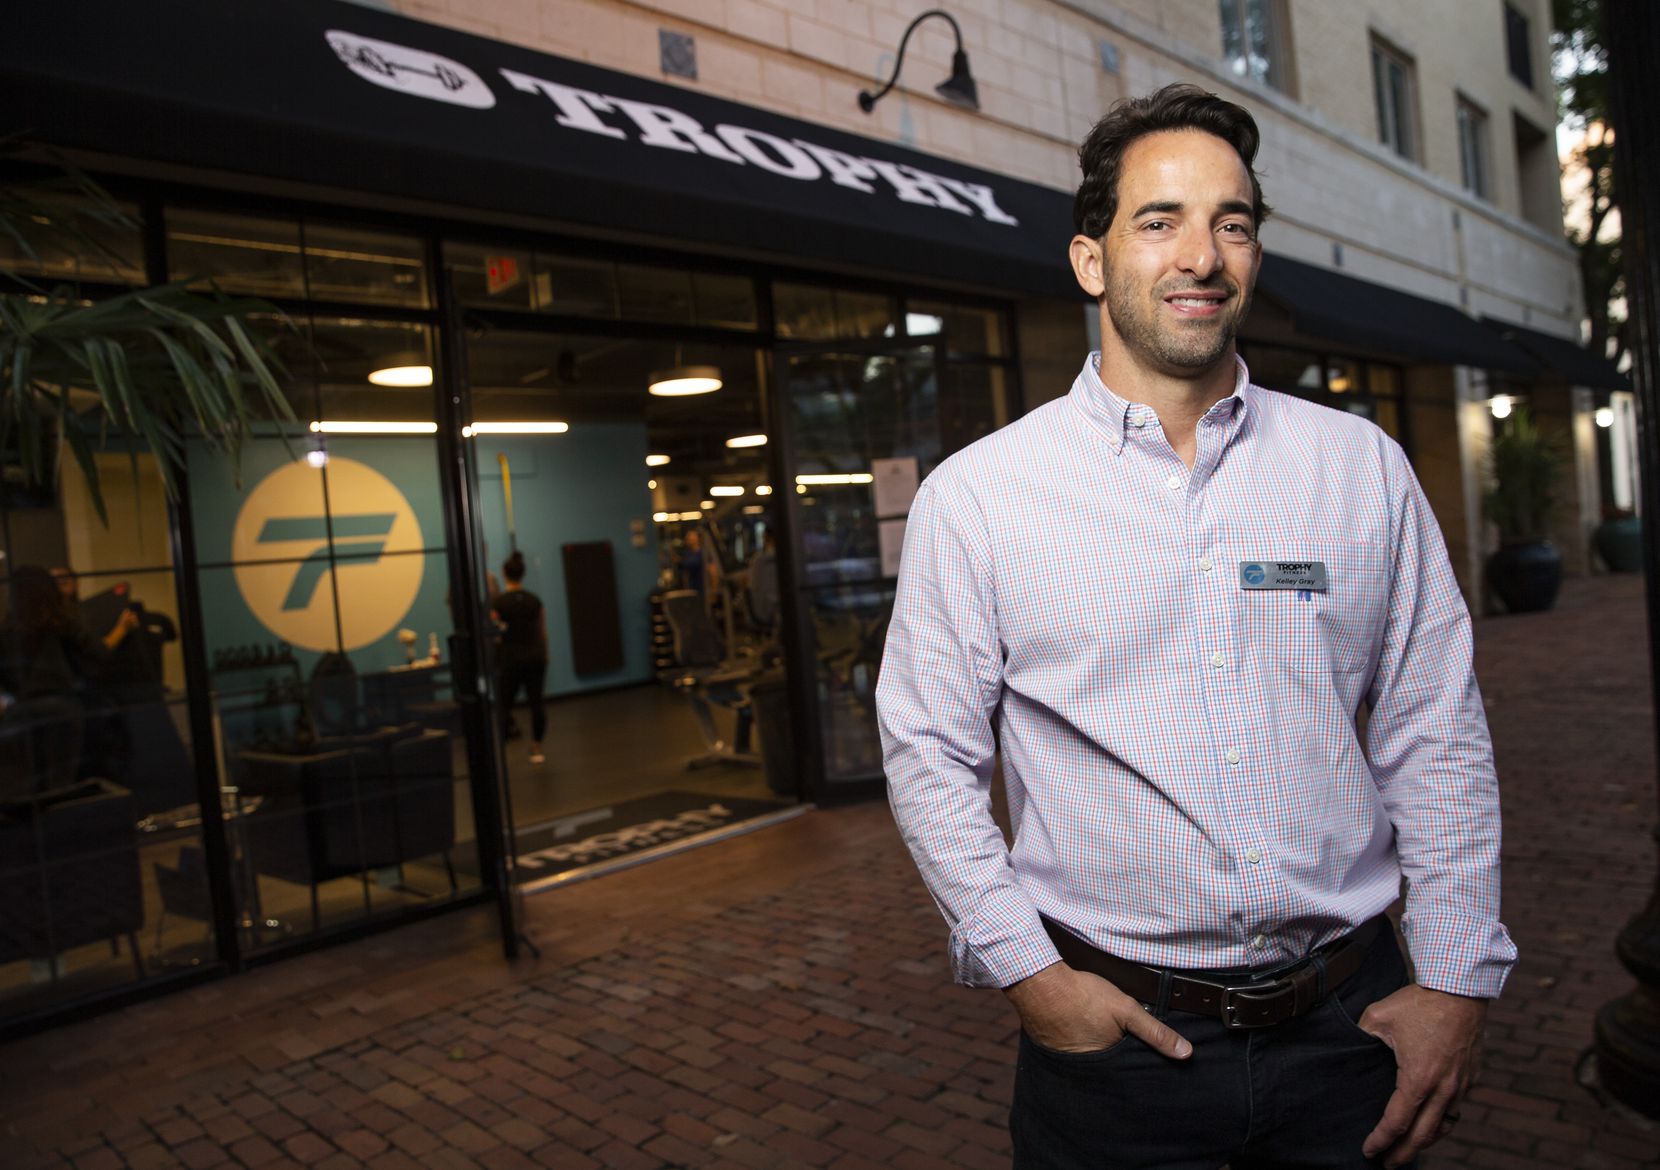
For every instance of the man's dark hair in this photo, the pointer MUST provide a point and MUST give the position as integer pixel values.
(1180, 106)
(513, 568)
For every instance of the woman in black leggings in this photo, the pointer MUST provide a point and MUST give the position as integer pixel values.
(523, 659)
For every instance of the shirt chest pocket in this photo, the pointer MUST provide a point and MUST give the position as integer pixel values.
(1335, 631)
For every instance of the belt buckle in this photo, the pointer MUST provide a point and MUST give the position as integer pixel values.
(1230, 1005)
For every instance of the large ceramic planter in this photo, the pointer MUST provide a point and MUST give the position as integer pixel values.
(1526, 576)
(1620, 544)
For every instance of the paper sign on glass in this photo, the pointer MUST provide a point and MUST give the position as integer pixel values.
(894, 482)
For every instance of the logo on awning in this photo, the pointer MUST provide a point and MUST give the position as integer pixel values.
(412, 71)
(423, 74)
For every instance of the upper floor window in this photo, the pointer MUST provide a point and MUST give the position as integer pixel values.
(1472, 148)
(1394, 90)
(1518, 45)
(1256, 41)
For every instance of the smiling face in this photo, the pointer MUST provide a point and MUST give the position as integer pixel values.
(1175, 270)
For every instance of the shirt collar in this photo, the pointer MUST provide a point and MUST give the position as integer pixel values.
(1112, 413)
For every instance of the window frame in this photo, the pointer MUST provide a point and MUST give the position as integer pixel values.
(1398, 128)
(1474, 146)
(1518, 45)
(1282, 74)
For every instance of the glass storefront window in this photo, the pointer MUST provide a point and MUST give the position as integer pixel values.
(492, 278)
(803, 311)
(90, 246)
(367, 371)
(576, 288)
(1290, 370)
(270, 256)
(975, 402)
(259, 256)
(99, 825)
(813, 312)
(724, 301)
(647, 293)
(372, 268)
(964, 330)
(1384, 381)
(325, 607)
(1343, 376)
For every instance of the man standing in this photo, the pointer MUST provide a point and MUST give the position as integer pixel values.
(1164, 599)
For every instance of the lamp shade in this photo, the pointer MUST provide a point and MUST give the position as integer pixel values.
(677, 381)
(959, 89)
(413, 375)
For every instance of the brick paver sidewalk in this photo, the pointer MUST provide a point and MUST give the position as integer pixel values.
(781, 1000)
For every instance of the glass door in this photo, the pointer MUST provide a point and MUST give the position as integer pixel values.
(862, 425)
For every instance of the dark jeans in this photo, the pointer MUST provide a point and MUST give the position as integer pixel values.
(1304, 1093)
(530, 677)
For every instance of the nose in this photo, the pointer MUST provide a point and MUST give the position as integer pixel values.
(1200, 255)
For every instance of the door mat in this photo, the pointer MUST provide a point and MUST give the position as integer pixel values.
(614, 833)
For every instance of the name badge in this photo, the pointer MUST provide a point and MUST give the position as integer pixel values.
(1309, 575)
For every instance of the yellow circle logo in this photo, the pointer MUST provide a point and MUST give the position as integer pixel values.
(286, 523)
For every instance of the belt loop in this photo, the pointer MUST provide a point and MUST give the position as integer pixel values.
(1161, 1008)
(1319, 976)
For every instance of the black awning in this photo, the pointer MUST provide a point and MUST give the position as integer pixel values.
(331, 93)
(1339, 308)
(1569, 360)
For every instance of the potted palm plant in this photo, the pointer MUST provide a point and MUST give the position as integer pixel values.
(1525, 466)
(144, 369)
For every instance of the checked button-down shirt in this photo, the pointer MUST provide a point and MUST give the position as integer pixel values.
(1186, 776)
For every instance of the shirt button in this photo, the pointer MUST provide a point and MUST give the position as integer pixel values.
(1218, 661)
(1175, 482)
(1204, 564)
(1232, 756)
(1252, 856)
(1259, 940)
(1139, 421)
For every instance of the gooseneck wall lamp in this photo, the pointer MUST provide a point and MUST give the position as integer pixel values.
(959, 88)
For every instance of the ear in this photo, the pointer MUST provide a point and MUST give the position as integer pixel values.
(1088, 265)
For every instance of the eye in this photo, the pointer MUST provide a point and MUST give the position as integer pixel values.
(1155, 225)
(1237, 229)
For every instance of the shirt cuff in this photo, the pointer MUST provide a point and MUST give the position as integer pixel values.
(1457, 955)
(1001, 944)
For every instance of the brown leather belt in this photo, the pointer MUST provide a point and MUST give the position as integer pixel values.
(1292, 993)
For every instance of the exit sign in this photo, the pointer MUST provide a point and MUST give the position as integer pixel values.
(500, 273)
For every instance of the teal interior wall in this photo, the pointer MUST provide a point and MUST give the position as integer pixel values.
(588, 484)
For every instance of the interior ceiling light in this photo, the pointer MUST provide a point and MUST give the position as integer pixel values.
(651, 485)
(679, 381)
(706, 504)
(764, 489)
(747, 441)
(1605, 416)
(402, 376)
(754, 510)
(726, 490)
(343, 427)
(850, 477)
(516, 428)
(657, 460)
(1501, 405)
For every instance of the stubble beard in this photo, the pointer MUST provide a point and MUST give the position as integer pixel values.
(1188, 348)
